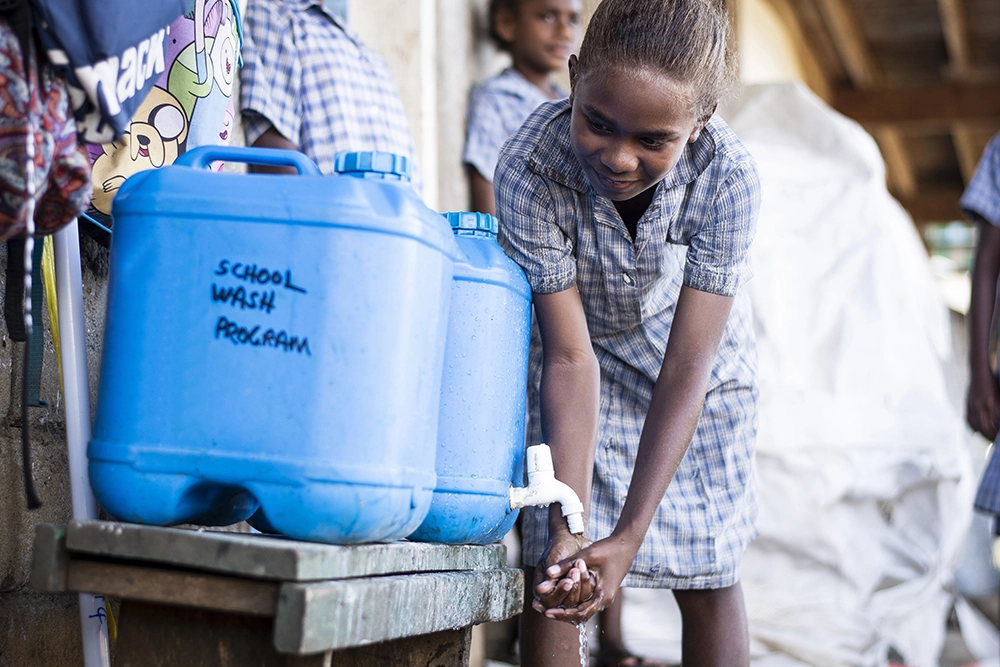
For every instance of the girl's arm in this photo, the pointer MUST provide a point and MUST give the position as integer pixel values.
(570, 396)
(677, 400)
(983, 401)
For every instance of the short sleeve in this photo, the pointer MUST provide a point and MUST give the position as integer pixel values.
(271, 76)
(718, 257)
(485, 133)
(529, 233)
(981, 198)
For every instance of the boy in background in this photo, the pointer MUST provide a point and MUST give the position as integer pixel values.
(539, 35)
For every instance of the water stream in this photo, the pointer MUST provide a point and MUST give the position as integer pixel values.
(584, 648)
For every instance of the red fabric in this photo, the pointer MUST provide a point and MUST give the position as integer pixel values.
(36, 109)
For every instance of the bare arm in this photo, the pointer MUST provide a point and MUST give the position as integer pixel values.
(273, 139)
(570, 394)
(481, 191)
(983, 402)
(677, 400)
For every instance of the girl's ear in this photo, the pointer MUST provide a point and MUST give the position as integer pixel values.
(572, 72)
(700, 125)
(505, 24)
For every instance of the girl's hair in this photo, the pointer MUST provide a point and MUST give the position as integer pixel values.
(686, 39)
(497, 6)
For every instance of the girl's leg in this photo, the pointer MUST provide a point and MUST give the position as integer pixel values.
(544, 642)
(609, 622)
(715, 627)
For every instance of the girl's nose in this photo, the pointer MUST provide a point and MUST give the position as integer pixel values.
(617, 158)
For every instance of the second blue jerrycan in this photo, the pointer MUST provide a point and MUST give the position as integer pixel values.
(480, 451)
(273, 348)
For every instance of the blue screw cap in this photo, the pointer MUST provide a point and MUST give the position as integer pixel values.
(373, 164)
(467, 223)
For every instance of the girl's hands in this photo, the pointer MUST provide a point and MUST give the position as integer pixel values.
(570, 586)
(599, 568)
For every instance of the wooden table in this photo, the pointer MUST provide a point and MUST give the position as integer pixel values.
(215, 599)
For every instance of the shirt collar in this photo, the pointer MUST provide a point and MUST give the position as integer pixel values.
(512, 82)
(553, 156)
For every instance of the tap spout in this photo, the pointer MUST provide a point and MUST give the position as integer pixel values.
(544, 489)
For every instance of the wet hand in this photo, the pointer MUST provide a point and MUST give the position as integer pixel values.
(607, 562)
(564, 586)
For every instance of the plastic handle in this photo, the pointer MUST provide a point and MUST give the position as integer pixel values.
(203, 156)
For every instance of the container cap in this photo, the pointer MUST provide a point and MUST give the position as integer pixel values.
(465, 223)
(373, 164)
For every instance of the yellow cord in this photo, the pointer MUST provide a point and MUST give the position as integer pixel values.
(49, 281)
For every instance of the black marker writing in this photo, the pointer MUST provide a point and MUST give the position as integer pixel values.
(238, 296)
(241, 335)
(258, 275)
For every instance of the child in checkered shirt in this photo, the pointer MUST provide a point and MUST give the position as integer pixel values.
(539, 35)
(631, 208)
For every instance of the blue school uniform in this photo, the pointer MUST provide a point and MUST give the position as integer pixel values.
(696, 232)
(981, 199)
(318, 84)
(496, 110)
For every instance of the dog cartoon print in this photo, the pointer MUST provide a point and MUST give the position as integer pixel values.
(155, 138)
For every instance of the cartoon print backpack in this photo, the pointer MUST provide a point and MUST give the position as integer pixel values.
(190, 105)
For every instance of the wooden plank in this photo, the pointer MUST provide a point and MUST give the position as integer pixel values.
(152, 635)
(49, 560)
(319, 616)
(273, 558)
(932, 105)
(448, 648)
(173, 587)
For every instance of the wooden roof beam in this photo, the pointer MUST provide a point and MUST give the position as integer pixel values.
(849, 43)
(932, 105)
(853, 49)
(815, 77)
(956, 37)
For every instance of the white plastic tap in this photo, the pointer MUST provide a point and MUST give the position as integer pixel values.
(544, 489)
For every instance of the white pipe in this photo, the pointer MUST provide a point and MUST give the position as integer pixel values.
(544, 489)
(76, 390)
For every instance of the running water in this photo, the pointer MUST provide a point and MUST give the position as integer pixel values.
(582, 627)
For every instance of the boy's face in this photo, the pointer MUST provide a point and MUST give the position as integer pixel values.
(629, 129)
(542, 34)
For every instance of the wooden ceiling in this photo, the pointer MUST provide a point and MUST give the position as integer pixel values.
(923, 76)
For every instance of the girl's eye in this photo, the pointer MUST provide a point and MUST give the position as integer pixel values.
(598, 127)
(548, 17)
(652, 143)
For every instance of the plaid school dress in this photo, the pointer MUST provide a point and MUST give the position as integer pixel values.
(318, 84)
(697, 232)
(982, 199)
(497, 108)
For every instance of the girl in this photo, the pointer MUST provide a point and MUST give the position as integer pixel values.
(539, 35)
(631, 209)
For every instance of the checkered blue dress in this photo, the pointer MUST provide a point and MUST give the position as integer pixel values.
(697, 232)
(497, 108)
(981, 200)
(317, 84)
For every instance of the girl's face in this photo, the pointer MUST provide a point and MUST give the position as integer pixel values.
(629, 128)
(542, 34)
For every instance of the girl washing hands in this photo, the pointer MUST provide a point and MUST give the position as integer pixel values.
(631, 208)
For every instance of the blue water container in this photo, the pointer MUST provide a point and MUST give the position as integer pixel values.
(273, 348)
(483, 391)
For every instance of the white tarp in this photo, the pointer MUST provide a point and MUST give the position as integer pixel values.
(863, 467)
